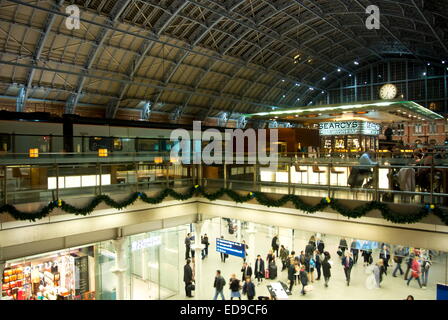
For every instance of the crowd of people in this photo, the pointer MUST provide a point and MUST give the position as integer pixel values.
(314, 263)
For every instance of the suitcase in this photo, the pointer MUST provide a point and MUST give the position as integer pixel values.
(272, 271)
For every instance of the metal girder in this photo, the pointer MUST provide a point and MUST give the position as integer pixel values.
(275, 73)
(115, 13)
(198, 38)
(142, 84)
(20, 102)
(430, 26)
(146, 47)
(39, 47)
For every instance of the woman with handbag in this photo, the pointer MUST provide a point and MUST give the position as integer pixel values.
(415, 271)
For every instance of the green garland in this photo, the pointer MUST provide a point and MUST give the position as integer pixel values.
(260, 197)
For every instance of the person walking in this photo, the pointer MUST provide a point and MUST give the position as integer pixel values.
(188, 278)
(219, 285)
(320, 245)
(409, 261)
(355, 251)
(246, 271)
(187, 246)
(367, 255)
(206, 243)
(283, 256)
(319, 258)
(310, 265)
(259, 269)
(425, 271)
(235, 287)
(310, 248)
(249, 289)
(326, 266)
(415, 271)
(303, 279)
(398, 259)
(224, 256)
(342, 246)
(385, 255)
(292, 269)
(378, 271)
(347, 263)
(246, 247)
(275, 244)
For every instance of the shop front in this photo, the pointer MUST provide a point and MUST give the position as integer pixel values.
(62, 275)
(147, 264)
(349, 136)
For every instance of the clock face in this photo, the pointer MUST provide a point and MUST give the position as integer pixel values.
(388, 91)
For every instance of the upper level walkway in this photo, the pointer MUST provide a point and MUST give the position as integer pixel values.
(96, 198)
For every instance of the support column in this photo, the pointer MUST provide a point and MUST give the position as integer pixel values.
(251, 231)
(120, 267)
(198, 247)
(238, 230)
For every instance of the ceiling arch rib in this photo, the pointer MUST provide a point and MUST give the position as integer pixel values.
(217, 19)
(146, 47)
(436, 35)
(37, 53)
(275, 73)
(115, 13)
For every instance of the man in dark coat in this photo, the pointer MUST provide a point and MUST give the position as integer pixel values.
(188, 278)
(326, 266)
(275, 244)
(303, 279)
(291, 273)
(187, 246)
(320, 245)
(246, 270)
(249, 289)
(385, 255)
(219, 285)
(259, 269)
(347, 263)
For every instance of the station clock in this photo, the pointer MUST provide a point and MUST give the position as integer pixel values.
(388, 91)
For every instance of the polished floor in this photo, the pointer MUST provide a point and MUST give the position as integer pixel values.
(393, 288)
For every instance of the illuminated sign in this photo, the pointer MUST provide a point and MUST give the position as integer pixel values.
(348, 128)
(230, 247)
(146, 243)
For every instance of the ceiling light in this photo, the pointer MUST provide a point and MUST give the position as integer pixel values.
(443, 61)
(298, 99)
(339, 69)
(424, 74)
(283, 80)
(324, 78)
(323, 91)
(298, 84)
(297, 56)
(356, 63)
(350, 75)
(429, 63)
(284, 96)
(311, 89)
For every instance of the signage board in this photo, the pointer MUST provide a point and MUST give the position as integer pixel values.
(230, 247)
(352, 127)
(146, 243)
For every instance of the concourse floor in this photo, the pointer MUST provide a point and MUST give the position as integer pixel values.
(391, 288)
